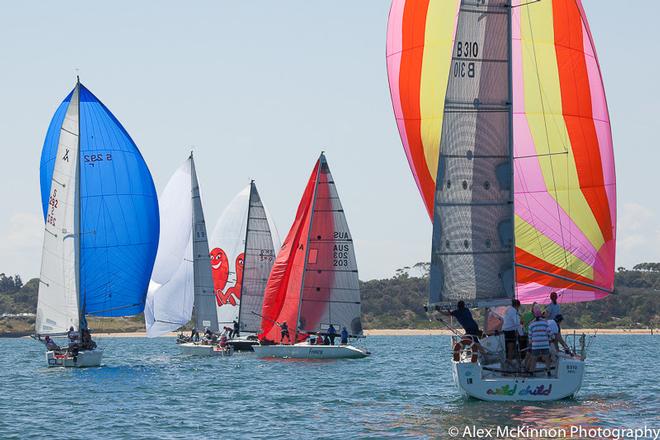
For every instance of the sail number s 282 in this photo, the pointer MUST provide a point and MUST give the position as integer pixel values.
(469, 50)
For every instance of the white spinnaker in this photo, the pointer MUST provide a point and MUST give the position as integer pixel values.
(57, 303)
(171, 295)
(229, 237)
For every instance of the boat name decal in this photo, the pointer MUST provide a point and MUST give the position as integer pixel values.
(506, 390)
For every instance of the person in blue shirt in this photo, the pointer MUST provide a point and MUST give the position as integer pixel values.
(465, 319)
(332, 334)
(344, 336)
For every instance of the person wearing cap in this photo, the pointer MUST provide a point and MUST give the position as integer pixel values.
(539, 336)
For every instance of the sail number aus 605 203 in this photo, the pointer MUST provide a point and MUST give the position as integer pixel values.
(469, 50)
(340, 255)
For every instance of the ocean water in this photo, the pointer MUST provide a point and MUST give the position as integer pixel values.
(147, 390)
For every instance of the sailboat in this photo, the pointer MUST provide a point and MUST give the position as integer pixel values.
(101, 226)
(502, 113)
(243, 247)
(181, 283)
(314, 281)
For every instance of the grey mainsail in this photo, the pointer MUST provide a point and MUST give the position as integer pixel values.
(259, 256)
(204, 304)
(472, 251)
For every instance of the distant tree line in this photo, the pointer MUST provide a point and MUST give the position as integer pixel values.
(398, 302)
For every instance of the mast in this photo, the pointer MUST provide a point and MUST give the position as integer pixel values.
(245, 250)
(78, 224)
(511, 146)
(311, 220)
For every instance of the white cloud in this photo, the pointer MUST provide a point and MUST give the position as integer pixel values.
(638, 235)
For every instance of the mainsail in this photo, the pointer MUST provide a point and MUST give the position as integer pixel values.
(243, 245)
(116, 236)
(57, 303)
(205, 313)
(564, 197)
(259, 256)
(314, 281)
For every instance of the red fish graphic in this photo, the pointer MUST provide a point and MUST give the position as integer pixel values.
(220, 272)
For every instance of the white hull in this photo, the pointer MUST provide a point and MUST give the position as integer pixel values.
(475, 381)
(84, 358)
(197, 349)
(307, 351)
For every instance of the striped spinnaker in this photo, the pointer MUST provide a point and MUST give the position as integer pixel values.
(564, 180)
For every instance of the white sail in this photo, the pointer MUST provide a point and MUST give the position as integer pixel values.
(171, 294)
(57, 304)
(227, 245)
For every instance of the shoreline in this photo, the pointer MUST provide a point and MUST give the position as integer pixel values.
(392, 332)
(422, 332)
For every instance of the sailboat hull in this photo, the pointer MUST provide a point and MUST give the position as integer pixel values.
(475, 381)
(84, 358)
(307, 351)
(243, 344)
(197, 349)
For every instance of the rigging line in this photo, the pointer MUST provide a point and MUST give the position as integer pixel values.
(540, 155)
(547, 136)
(525, 4)
(561, 277)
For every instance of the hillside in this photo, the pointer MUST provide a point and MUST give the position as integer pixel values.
(397, 302)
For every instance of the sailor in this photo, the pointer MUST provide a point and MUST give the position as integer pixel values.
(539, 335)
(512, 329)
(326, 340)
(319, 339)
(86, 340)
(465, 319)
(237, 329)
(344, 336)
(192, 333)
(50, 344)
(72, 335)
(223, 341)
(555, 335)
(332, 334)
(284, 331)
(525, 319)
(553, 309)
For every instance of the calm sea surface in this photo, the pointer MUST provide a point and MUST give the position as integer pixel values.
(147, 390)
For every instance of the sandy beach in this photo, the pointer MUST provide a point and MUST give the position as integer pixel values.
(419, 332)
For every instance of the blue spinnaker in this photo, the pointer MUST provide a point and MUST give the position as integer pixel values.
(119, 220)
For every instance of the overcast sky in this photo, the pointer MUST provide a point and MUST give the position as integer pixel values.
(258, 89)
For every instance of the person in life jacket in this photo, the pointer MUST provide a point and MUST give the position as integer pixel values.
(50, 344)
(319, 339)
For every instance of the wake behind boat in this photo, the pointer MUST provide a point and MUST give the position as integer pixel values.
(100, 234)
(313, 289)
(515, 165)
